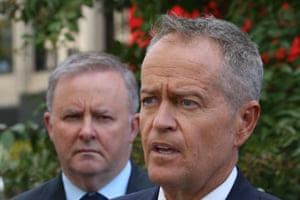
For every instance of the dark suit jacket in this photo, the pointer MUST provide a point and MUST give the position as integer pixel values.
(54, 189)
(241, 190)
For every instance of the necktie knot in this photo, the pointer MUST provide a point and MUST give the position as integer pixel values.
(93, 196)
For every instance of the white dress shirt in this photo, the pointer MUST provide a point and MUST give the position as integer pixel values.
(115, 188)
(219, 193)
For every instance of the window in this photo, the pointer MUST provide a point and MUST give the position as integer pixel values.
(44, 58)
(5, 45)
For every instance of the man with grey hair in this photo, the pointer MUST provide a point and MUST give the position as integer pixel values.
(200, 87)
(92, 120)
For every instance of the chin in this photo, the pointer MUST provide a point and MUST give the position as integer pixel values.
(165, 181)
(160, 176)
(89, 167)
(87, 171)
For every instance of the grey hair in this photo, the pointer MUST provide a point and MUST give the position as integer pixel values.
(242, 75)
(94, 62)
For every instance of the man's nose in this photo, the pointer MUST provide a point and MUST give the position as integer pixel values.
(165, 118)
(87, 131)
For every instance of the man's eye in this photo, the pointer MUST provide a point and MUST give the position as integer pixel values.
(72, 117)
(148, 100)
(188, 103)
(103, 118)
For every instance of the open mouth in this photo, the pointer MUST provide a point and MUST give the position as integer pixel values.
(163, 148)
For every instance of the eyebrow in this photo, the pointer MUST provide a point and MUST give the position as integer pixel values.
(149, 91)
(102, 111)
(174, 93)
(187, 93)
(75, 110)
(71, 110)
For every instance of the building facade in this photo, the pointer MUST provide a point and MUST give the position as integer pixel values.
(24, 71)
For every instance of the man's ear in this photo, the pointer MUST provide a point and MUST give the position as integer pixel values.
(248, 117)
(135, 123)
(48, 124)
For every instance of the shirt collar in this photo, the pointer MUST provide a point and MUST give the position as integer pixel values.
(161, 194)
(223, 190)
(118, 185)
(219, 193)
(72, 191)
(109, 190)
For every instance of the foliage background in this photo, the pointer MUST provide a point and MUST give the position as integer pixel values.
(270, 159)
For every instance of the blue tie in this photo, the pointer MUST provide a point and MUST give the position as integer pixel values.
(93, 196)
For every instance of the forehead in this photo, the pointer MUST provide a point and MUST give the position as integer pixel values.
(91, 89)
(183, 61)
(93, 82)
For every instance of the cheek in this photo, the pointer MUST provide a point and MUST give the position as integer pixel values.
(215, 141)
(143, 126)
(63, 135)
(145, 131)
(201, 137)
(144, 141)
(114, 138)
(146, 120)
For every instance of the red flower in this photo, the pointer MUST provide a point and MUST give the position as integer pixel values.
(176, 10)
(247, 25)
(213, 5)
(139, 37)
(295, 50)
(134, 22)
(265, 57)
(132, 67)
(179, 11)
(280, 53)
(195, 14)
(285, 6)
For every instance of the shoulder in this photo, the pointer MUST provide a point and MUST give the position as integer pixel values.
(146, 194)
(139, 173)
(266, 196)
(242, 189)
(49, 189)
(138, 179)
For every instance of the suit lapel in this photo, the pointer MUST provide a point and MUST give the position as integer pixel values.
(138, 179)
(56, 189)
(242, 189)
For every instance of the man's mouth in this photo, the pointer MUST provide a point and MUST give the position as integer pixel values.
(86, 151)
(163, 148)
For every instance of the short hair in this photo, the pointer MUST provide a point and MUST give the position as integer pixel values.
(242, 75)
(94, 62)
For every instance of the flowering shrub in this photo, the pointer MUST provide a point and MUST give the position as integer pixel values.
(271, 158)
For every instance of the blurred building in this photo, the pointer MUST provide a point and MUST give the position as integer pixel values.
(24, 71)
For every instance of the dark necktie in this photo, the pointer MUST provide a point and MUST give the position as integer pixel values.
(93, 196)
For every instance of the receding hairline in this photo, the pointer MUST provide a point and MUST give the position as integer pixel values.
(92, 62)
(236, 46)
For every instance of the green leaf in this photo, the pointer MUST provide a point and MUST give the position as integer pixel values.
(7, 139)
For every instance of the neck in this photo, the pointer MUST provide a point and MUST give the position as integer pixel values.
(92, 182)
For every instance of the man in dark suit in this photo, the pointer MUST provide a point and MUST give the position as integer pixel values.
(92, 121)
(200, 88)
(241, 189)
(54, 188)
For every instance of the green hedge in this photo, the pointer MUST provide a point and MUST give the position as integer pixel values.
(271, 157)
